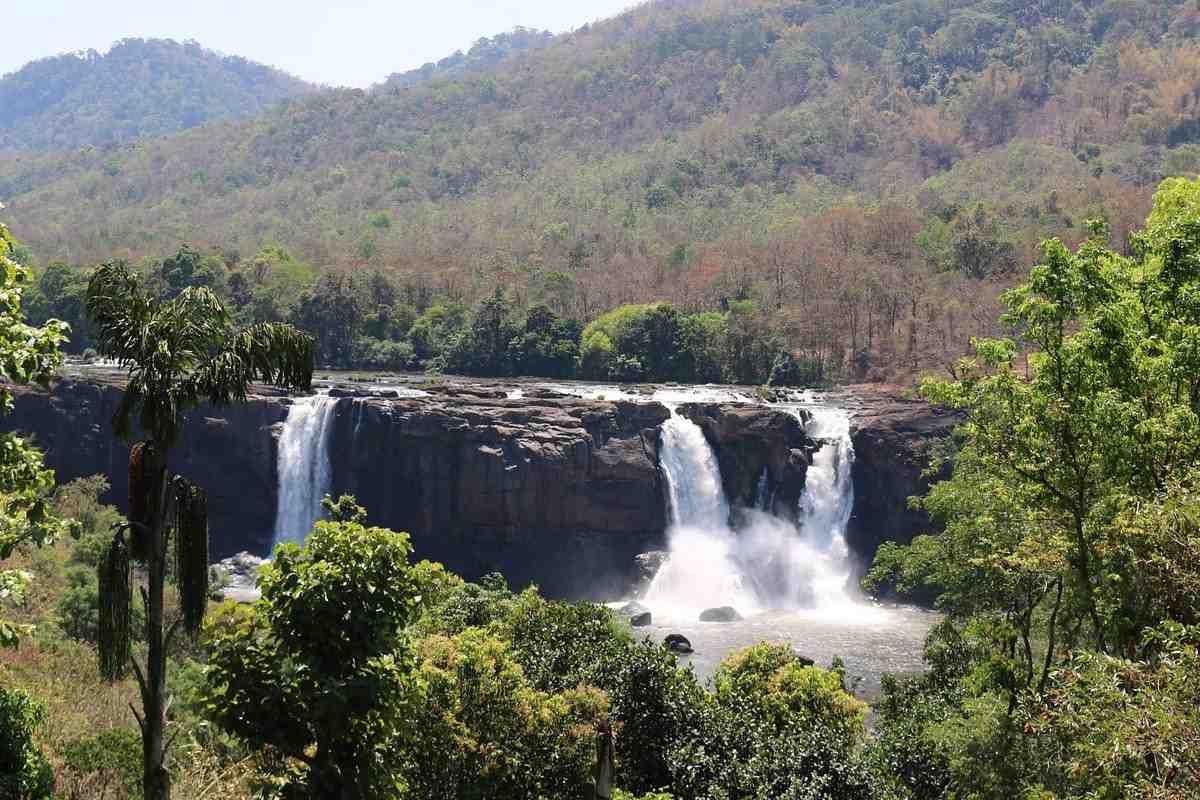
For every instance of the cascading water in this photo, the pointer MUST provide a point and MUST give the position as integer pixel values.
(766, 563)
(304, 467)
(827, 504)
(702, 570)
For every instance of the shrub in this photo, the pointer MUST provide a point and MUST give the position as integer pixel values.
(25, 773)
(479, 730)
(111, 758)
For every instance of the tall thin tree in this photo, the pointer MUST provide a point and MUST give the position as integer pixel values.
(180, 353)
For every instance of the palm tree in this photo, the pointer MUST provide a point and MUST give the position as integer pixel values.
(180, 353)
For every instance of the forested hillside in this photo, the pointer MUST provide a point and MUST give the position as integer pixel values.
(865, 176)
(139, 88)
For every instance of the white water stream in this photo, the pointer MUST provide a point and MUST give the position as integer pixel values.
(304, 467)
(766, 563)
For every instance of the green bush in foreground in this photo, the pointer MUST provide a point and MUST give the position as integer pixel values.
(25, 773)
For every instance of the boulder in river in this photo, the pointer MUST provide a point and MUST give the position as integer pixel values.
(641, 620)
(678, 643)
(722, 614)
(632, 609)
(238, 579)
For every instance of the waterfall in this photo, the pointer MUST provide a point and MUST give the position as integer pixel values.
(767, 562)
(827, 504)
(702, 569)
(304, 468)
(693, 476)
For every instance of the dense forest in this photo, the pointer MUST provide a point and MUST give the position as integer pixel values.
(867, 175)
(139, 88)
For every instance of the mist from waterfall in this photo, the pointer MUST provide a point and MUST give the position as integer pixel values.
(303, 466)
(703, 569)
(765, 563)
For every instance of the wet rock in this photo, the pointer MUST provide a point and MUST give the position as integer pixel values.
(678, 643)
(632, 609)
(721, 614)
(640, 620)
(237, 578)
(751, 441)
(646, 566)
(894, 439)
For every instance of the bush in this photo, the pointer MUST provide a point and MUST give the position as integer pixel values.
(479, 730)
(111, 758)
(25, 773)
(78, 609)
(383, 354)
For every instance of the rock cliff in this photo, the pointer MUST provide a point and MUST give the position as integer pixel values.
(895, 438)
(561, 493)
(547, 489)
(752, 442)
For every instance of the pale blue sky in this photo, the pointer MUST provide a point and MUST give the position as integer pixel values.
(349, 43)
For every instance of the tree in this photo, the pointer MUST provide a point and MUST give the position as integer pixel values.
(179, 352)
(1067, 561)
(27, 355)
(25, 774)
(326, 651)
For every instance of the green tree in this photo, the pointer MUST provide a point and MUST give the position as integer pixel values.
(179, 353)
(325, 649)
(1070, 534)
(25, 774)
(27, 355)
(332, 312)
(483, 348)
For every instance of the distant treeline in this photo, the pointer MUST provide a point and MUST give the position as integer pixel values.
(369, 321)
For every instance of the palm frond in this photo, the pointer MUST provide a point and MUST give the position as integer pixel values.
(184, 351)
(121, 312)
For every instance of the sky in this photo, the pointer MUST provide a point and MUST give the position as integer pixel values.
(348, 43)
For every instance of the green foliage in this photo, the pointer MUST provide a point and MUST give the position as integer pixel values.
(1066, 667)
(325, 648)
(185, 350)
(112, 756)
(27, 355)
(25, 774)
(479, 729)
(788, 693)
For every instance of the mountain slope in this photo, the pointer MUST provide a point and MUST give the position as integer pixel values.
(836, 163)
(141, 87)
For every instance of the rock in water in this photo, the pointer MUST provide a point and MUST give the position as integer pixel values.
(632, 609)
(677, 643)
(641, 620)
(239, 578)
(722, 614)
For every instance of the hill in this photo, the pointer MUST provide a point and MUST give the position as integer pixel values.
(868, 175)
(139, 88)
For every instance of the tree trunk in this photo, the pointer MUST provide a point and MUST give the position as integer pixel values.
(156, 782)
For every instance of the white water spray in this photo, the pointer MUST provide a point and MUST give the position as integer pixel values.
(766, 563)
(702, 570)
(304, 467)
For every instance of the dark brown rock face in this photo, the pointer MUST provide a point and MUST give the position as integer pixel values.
(750, 440)
(230, 452)
(560, 493)
(894, 439)
(564, 493)
(556, 491)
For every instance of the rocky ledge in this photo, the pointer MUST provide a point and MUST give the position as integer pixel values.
(551, 490)
(546, 489)
(895, 437)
